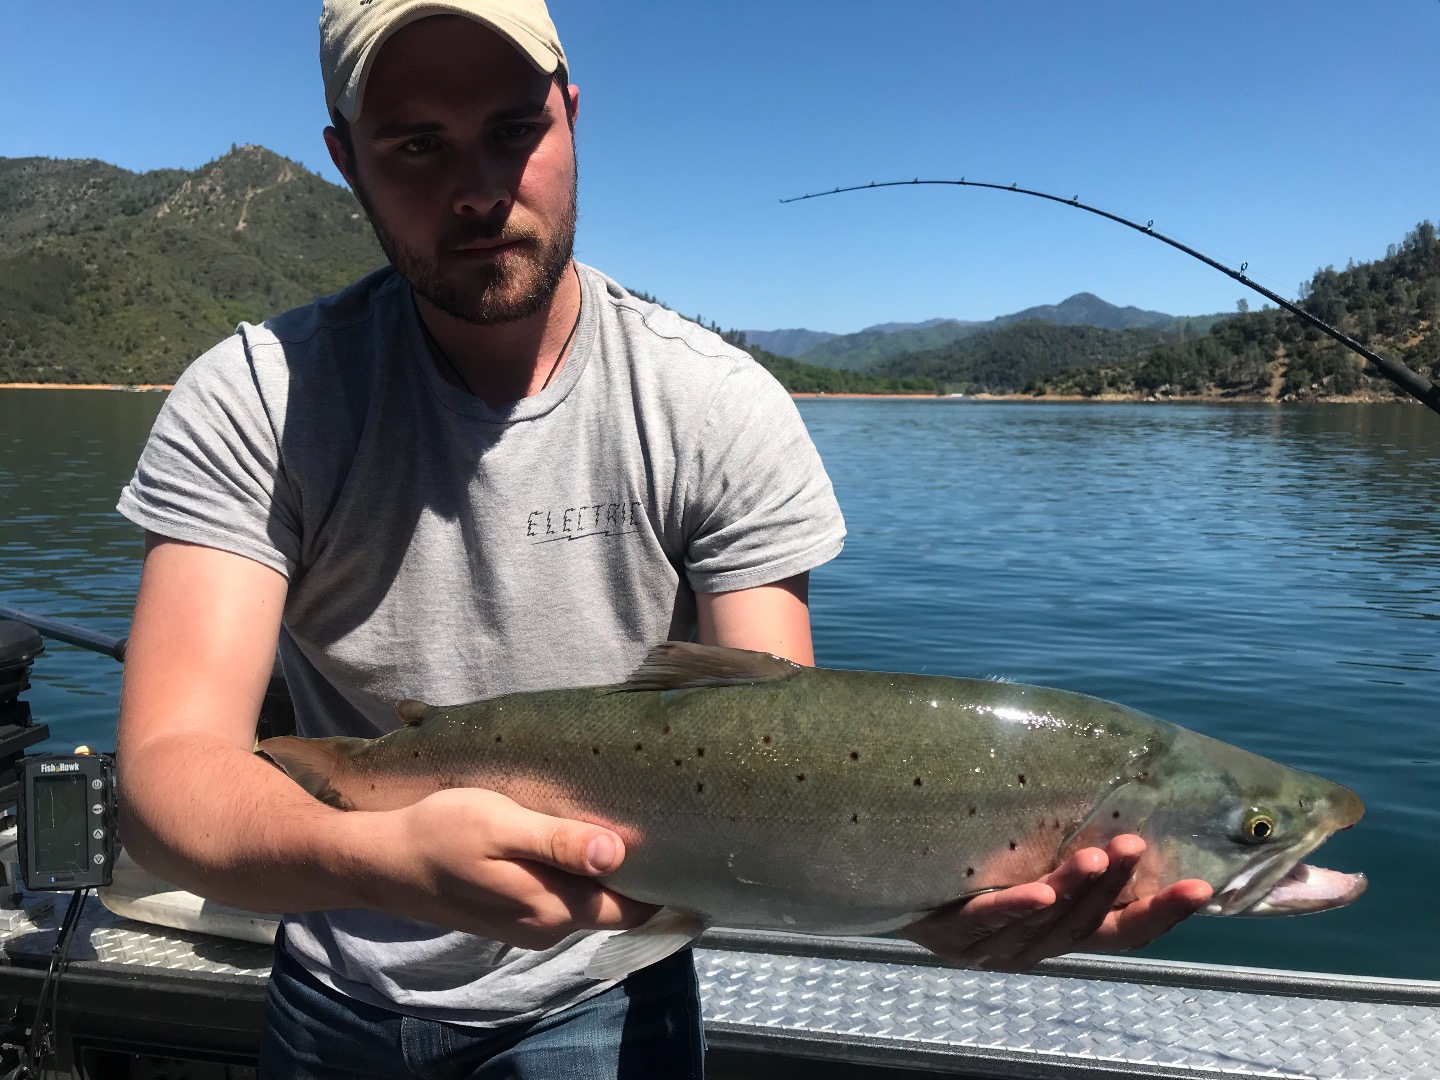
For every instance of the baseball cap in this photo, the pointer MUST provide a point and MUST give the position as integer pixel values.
(352, 31)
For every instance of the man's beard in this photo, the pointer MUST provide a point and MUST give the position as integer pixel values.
(484, 293)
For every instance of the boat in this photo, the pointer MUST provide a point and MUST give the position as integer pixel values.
(139, 1000)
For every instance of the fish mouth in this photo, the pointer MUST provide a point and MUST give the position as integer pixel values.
(1284, 885)
(1304, 888)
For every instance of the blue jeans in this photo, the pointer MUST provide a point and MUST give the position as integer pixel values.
(646, 1028)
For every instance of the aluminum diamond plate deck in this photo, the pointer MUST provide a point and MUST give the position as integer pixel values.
(104, 936)
(881, 1003)
(1124, 1025)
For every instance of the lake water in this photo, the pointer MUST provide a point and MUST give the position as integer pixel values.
(1269, 576)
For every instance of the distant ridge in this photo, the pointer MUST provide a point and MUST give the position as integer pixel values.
(878, 346)
(1087, 309)
(787, 342)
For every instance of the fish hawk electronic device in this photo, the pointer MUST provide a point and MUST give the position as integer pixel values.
(67, 820)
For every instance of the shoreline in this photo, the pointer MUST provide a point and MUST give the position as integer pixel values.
(131, 387)
(1109, 399)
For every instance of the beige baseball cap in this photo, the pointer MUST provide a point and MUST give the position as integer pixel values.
(352, 31)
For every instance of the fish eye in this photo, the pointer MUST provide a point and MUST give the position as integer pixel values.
(1259, 827)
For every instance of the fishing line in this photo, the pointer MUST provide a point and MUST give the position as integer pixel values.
(1412, 382)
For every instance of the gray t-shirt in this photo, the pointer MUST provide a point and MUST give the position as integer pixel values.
(438, 549)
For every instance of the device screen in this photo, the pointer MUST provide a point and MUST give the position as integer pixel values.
(61, 821)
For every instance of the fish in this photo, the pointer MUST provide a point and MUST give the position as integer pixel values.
(755, 793)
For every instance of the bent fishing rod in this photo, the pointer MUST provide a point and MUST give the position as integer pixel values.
(1412, 382)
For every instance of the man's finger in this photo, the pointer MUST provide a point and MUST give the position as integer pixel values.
(577, 847)
(1138, 924)
(1084, 880)
(559, 895)
(954, 930)
(1081, 916)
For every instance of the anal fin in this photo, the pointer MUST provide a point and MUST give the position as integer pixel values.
(663, 934)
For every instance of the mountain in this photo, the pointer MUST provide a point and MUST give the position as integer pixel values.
(868, 349)
(1006, 359)
(896, 327)
(113, 276)
(1391, 305)
(787, 342)
(1087, 309)
(877, 346)
(799, 342)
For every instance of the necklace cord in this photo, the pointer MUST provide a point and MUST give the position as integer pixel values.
(554, 364)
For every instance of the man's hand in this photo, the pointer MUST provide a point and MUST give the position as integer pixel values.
(479, 862)
(1071, 908)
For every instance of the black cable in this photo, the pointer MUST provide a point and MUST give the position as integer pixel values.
(40, 1046)
(1412, 382)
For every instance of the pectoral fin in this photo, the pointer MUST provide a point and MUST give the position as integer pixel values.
(666, 932)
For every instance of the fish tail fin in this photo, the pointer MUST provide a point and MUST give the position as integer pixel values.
(664, 933)
(313, 763)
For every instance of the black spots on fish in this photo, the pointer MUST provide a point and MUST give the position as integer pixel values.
(767, 739)
(969, 871)
(415, 753)
(1057, 823)
(639, 746)
(1022, 779)
(678, 762)
(699, 789)
(854, 819)
(699, 751)
(854, 755)
(800, 777)
(972, 811)
(665, 730)
(499, 739)
(1304, 802)
(925, 851)
(595, 750)
(1115, 814)
(919, 782)
(1013, 845)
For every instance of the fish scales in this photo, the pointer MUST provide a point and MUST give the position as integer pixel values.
(786, 790)
(770, 796)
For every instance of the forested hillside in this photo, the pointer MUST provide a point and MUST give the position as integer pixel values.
(1005, 360)
(1391, 305)
(119, 277)
(891, 347)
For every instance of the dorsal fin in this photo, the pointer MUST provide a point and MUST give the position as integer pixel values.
(411, 711)
(684, 665)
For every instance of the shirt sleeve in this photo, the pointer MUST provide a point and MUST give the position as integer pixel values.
(210, 473)
(759, 505)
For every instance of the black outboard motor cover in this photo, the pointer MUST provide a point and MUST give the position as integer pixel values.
(19, 646)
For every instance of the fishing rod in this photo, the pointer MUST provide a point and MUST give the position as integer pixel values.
(79, 636)
(1412, 382)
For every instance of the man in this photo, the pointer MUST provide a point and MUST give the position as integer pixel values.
(484, 469)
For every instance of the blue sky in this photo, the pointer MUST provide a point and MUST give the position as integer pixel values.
(1289, 134)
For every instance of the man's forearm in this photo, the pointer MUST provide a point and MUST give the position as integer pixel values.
(223, 823)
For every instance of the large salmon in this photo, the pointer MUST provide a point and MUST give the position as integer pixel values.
(755, 793)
